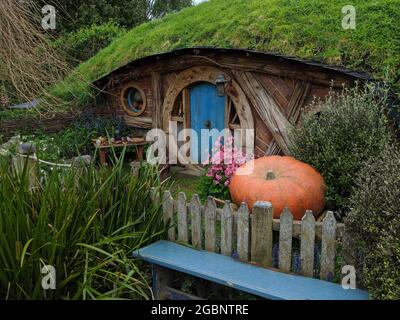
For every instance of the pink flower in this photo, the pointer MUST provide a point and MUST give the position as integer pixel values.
(224, 162)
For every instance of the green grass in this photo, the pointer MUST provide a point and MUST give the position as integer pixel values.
(184, 183)
(310, 29)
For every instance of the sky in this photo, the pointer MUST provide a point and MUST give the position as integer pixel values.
(199, 1)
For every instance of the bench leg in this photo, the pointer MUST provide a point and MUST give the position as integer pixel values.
(161, 281)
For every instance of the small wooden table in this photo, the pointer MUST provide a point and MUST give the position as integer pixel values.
(139, 143)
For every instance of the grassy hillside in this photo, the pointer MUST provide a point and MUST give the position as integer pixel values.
(310, 29)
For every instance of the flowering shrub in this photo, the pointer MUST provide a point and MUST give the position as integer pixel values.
(222, 166)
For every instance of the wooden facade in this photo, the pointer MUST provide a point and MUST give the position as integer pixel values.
(263, 91)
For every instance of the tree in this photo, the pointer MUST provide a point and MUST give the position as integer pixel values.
(158, 8)
(73, 15)
(28, 64)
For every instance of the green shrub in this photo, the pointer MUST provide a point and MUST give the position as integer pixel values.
(350, 128)
(74, 140)
(208, 187)
(85, 223)
(374, 224)
(86, 42)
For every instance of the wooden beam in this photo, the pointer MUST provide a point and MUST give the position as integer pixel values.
(156, 83)
(266, 107)
(300, 93)
(273, 149)
(140, 122)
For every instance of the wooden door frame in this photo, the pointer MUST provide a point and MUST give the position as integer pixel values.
(208, 74)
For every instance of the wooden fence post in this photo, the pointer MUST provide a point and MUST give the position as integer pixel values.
(226, 229)
(243, 232)
(25, 161)
(285, 240)
(307, 244)
(182, 218)
(168, 215)
(262, 234)
(210, 216)
(328, 247)
(195, 212)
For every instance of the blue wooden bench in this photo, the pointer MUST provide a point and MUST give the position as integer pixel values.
(248, 237)
(266, 283)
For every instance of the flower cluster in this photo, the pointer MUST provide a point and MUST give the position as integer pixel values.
(225, 161)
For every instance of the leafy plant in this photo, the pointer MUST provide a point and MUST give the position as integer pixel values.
(349, 128)
(84, 43)
(85, 223)
(74, 140)
(374, 224)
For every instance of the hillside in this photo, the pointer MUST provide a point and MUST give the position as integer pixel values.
(309, 29)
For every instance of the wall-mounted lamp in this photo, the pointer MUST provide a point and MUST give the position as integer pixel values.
(220, 82)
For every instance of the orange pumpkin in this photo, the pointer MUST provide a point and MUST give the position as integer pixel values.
(283, 181)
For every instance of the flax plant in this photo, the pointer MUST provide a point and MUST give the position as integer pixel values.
(85, 222)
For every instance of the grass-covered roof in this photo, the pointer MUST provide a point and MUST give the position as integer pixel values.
(308, 29)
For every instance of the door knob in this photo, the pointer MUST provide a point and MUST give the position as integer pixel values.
(207, 124)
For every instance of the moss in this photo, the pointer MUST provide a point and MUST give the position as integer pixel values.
(309, 29)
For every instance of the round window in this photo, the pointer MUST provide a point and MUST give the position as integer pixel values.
(133, 100)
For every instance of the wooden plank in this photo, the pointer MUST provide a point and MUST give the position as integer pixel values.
(182, 218)
(140, 122)
(210, 216)
(285, 240)
(174, 294)
(262, 234)
(266, 107)
(243, 232)
(156, 82)
(296, 102)
(195, 213)
(307, 244)
(273, 149)
(162, 277)
(227, 271)
(186, 107)
(226, 230)
(178, 119)
(168, 215)
(328, 244)
(234, 231)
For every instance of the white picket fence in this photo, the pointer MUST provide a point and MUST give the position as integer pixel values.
(249, 236)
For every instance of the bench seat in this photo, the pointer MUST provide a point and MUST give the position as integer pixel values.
(255, 280)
